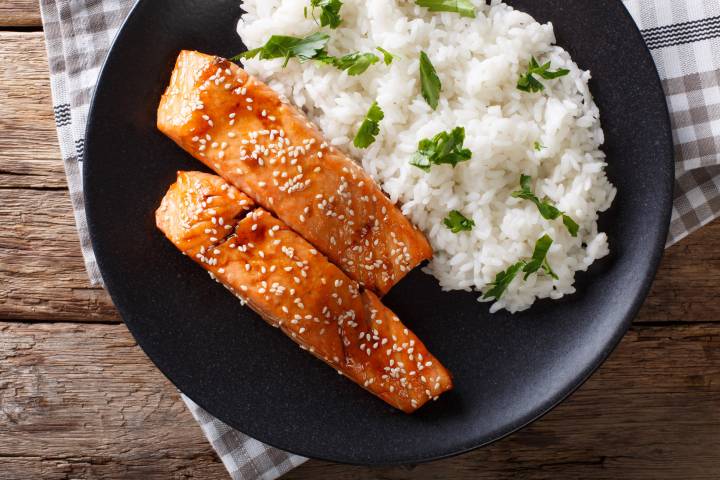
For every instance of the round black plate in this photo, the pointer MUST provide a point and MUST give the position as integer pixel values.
(509, 369)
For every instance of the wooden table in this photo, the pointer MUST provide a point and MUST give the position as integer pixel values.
(79, 399)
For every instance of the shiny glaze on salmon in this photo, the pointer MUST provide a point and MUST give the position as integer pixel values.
(294, 287)
(244, 131)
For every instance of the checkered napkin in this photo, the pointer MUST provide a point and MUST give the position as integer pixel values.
(78, 34)
(683, 36)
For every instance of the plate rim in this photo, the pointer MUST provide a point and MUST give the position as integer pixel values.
(631, 310)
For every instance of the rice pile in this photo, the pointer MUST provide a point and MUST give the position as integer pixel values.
(479, 62)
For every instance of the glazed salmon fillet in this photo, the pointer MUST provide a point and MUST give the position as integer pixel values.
(249, 135)
(294, 287)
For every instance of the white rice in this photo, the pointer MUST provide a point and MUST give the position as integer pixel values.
(479, 62)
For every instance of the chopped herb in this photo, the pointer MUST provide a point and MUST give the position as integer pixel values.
(370, 127)
(503, 280)
(387, 56)
(539, 258)
(443, 148)
(571, 225)
(464, 7)
(280, 46)
(430, 83)
(329, 12)
(528, 82)
(537, 262)
(538, 146)
(546, 209)
(356, 63)
(457, 222)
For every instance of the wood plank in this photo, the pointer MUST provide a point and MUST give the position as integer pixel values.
(20, 13)
(82, 401)
(687, 286)
(29, 152)
(79, 401)
(42, 274)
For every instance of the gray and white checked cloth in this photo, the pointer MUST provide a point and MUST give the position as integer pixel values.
(78, 34)
(683, 36)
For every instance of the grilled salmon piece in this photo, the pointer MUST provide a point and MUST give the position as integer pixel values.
(294, 287)
(245, 132)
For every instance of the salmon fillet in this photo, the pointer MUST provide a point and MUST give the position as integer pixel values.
(294, 287)
(245, 132)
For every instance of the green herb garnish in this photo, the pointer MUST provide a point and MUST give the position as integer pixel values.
(443, 148)
(329, 12)
(539, 258)
(538, 146)
(546, 209)
(280, 46)
(354, 63)
(528, 83)
(464, 7)
(429, 81)
(370, 127)
(387, 56)
(503, 280)
(537, 262)
(457, 222)
(571, 225)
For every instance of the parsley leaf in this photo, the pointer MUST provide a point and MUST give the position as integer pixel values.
(457, 222)
(571, 225)
(538, 146)
(370, 127)
(387, 56)
(546, 209)
(528, 83)
(355, 63)
(503, 280)
(280, 46)
(464, 7)
(539, 258)
(329, 12)
(430, 83)
(537, 262)
(443, 148)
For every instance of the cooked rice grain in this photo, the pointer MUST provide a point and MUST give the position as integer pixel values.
(479, 62)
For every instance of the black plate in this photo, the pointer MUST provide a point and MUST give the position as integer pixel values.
(508, 369)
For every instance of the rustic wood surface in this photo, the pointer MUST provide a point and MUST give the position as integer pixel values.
(79, 399)
(19, 13)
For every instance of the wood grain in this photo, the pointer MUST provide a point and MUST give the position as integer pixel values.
(687, 286)
(20, 13)
(29, 152)
(82, 401)
(42, 274)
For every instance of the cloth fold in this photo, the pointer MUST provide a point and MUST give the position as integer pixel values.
(683, 37)
(78, 36)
